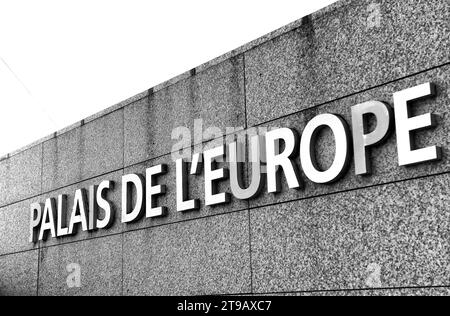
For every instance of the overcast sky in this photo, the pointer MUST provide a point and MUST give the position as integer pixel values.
(61, 60)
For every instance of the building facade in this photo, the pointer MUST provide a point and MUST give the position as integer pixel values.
(386, 232)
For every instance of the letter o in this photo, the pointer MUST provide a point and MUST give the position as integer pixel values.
(341, 133)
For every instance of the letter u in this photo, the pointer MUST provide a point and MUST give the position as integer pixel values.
(237, 160)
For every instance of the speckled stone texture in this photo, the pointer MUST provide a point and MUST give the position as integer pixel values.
(113, 196)
(437, 291)
(443, 291)
(100, 262)
(389, 236)
(205, 256)
(383, 234)
(20, 176)
(216, 96)
(196, 190)
(383, 158)
(14, 228)
(18, 274)
(91, 150)
(345, 51)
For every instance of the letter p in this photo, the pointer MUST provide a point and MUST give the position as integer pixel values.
(35, 221)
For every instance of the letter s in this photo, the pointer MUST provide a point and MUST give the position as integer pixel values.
(109, 217)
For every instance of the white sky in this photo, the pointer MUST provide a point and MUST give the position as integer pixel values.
(61, 60)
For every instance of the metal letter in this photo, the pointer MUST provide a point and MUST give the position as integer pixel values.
(406, 124)
(79, 205)
(155, 190)
(93, 209)
(48, 220)
(237, 161)
(283, 160)
(183, 204)
(62, 229)
(138, 182)
(108, 219)
(212, 175)
(35, 221)
(196, 164)
(341, 160)
(361, 140)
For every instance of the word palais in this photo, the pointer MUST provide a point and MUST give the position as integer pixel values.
(281, 149)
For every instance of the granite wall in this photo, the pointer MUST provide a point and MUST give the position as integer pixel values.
(387, 233)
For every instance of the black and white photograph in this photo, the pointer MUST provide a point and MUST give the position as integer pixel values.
(224, 156)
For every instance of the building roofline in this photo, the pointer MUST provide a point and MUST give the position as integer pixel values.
(203, 67)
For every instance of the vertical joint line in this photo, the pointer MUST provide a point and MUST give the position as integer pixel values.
(123, 138)
(123, 172)
(39, 243)
(38, 268)
(245, 91)
(122, 263)
(248, 164)
(150, 91)
(42, 168)
(250, 250)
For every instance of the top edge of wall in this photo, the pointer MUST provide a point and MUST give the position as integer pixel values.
(242, 49)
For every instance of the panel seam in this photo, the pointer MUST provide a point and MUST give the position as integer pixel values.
(38, 270)
(256, 207)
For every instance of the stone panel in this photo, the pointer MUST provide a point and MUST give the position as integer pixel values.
(85, 152)
(384, 157)
(388, 236)
(205, 256)
(14, 228)
(215, 96)
(349, 49)
(97, 262)
(18, 274)
(20, 176)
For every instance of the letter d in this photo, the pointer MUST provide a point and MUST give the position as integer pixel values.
(129, 181)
